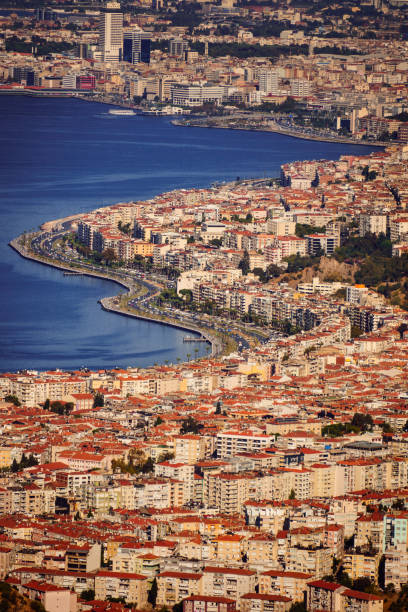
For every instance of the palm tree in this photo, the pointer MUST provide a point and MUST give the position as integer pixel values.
(188, 356)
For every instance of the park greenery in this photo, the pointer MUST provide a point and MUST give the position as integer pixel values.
(11, 600)
(40, 45)
(137, 463)
(24, 462)
(356, 248)
(62, 408)
(359, 423)
(303, 229)
(190, 425)
(12, 399)
(297, 263)
(377, 268)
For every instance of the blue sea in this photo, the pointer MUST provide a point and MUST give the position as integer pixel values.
(63, 156)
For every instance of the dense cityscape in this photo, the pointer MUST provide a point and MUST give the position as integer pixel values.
(269, 471)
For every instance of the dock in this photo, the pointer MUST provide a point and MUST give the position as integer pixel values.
(73, 273)
(193, 339)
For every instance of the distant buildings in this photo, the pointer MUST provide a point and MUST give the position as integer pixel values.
(136, 47)
(111, 33)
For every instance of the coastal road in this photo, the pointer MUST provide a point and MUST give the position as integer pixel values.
(43, 245)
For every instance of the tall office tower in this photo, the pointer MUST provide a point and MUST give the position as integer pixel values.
(110, 33)
(136, 47)
(177, 46)
(268, 81)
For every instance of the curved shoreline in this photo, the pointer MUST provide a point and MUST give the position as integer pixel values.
(216, 346)
(288, 133)
(177, 122)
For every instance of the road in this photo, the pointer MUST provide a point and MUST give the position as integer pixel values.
(45, 245)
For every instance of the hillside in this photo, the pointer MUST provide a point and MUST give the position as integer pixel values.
(12, 601)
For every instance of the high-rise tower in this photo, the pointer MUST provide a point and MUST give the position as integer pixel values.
(110, 33)
(136, 47)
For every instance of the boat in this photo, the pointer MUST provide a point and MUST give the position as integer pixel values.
(121, 111)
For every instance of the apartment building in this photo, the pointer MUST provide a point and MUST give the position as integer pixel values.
(231, 443)
(322, 242)
(372, 224)
(83, 558)
(370, 528)
(178, 471)
(52, 597)
(189, 449)
(332, 597)
(228, 582)
(362, 565)
(281, 227)
(173, 587)
(227, 492)
(230, 548)
(398, 228)
(263, 602)
(309, 560)
(288, 583)
(132, 587)
(206, 603)
(396, 568)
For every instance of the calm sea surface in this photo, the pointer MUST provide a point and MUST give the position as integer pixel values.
(60, 157)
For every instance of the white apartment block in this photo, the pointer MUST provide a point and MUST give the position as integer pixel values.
(373, 224)
(232, 443)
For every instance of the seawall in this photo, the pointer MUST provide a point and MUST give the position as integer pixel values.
(216, 345)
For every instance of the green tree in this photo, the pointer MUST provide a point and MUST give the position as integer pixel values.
(58, 407)
(190, 425)
(244, 264)
(47, 404)
(12, 399)
(402, 329)
(148, 466)
(356, 332)
(303, 229)
(109, 256)
(292, 494)
(166, 456)
(298, 607)
(363, 421)
(217, 242)
(187, 295)
(88, 595)
(152, 596)
(99, 400)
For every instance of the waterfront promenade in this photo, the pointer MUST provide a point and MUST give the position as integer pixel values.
(113, 304)
(263, 123)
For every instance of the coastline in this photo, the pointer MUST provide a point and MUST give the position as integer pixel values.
(105, 303)
(289, 133)
(180, 123)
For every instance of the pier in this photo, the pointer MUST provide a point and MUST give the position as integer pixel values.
(193, 339)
